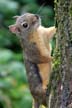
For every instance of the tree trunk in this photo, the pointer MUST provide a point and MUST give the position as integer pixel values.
(59, 93)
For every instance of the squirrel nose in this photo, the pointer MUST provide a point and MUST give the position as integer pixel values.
(37, 16)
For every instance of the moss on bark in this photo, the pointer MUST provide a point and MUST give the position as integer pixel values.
(60, 87)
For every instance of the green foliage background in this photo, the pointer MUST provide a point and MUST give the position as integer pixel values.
(14, 92)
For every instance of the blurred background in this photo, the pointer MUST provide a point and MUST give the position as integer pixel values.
(14, 92)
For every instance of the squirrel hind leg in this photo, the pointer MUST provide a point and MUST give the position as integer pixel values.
(36, 104)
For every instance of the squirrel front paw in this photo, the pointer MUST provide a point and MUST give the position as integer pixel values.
(50, 58)
(46, 59)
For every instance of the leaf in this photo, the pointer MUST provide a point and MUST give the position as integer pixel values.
(7, 6)
(18, 71)
(4, 84)
(5, 56)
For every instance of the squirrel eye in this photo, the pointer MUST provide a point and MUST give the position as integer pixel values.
(25, 25)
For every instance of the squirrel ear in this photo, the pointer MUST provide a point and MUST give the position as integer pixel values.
(13, 28)
(15, 17)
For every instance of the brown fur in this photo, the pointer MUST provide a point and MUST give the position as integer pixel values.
(42, 38)
(35, 42)
(45, 70)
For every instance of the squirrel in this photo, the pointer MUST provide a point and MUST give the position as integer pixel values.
(35, 42)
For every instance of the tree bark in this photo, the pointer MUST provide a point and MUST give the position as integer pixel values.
(59, 93)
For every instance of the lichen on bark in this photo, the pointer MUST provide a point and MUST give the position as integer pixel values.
(61, 79)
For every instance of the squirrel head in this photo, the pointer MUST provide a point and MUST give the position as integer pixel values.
(25, 24)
